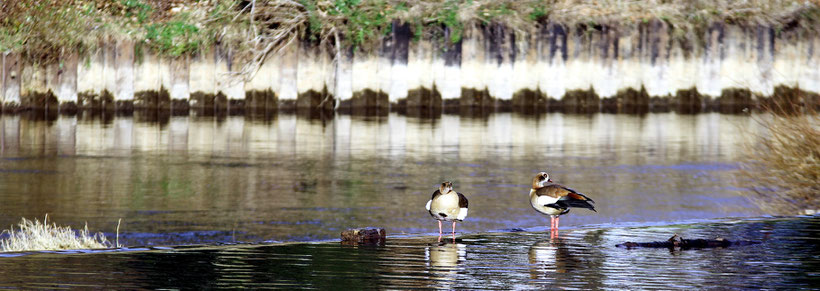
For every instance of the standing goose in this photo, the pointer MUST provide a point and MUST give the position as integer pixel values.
(554, 200)
(447, 205)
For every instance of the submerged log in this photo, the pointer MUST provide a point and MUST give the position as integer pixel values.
(677, 241)
(363, 236)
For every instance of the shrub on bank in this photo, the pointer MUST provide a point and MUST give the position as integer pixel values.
(33, 235)
(782, 165)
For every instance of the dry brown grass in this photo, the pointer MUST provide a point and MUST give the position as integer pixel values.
(33, 235)
(782, 165)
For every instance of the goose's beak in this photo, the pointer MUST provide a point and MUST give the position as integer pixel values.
(549, 180)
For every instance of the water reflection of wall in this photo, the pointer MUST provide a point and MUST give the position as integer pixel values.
(660, 135)
(293, 177)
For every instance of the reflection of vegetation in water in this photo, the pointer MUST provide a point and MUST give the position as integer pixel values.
(173, 187)
(33, 235)
(782, 166)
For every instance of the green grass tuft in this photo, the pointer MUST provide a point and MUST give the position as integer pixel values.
(33, 235)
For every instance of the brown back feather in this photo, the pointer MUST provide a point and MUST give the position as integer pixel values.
(462, 200)
(435, 194)
(554, 190)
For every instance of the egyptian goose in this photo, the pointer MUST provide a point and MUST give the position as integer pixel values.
(447, 205)
(555, 200)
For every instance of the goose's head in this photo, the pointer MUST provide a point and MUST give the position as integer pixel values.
(541, 180)
(445, 187)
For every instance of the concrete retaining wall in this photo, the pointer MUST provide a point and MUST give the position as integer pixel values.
(625, 69)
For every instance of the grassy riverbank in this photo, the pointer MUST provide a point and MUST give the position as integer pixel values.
(44, 30)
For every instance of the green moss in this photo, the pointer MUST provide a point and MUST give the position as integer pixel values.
(538, 13)
(449, 18)
(173, 38)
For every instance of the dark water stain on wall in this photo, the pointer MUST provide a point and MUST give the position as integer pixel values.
(261, 100)
(151, 99)
(317, 100)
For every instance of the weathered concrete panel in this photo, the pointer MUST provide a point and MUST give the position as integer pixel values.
(11, 81)
(202, 80)
(288, 73)
(230, 87)
(67, 82)
(124, 67)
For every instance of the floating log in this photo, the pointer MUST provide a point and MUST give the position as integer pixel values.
(677, 241)
(363, 236)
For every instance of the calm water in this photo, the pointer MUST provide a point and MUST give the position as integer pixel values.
(584, 258)
(221, 189)
(193, 180)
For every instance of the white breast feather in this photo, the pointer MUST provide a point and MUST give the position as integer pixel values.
(428, 204)
(462, 213)
(544, 200)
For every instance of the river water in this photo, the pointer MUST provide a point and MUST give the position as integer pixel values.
(212, 180)
(578, 259)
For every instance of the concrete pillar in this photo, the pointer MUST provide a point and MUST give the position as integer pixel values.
(288, 79)
(367, 92)
(202, 80)
(420, 81)
(67, 83)
(654, 48)
(553, 53)
(503, 52)
(124, 68)
(311, 71)
(34, 81)
(473, 66)
(150, 71)
(230, 87)
(11, 82)
(398, 85)
(344, 76)
(178, 87)
(525, 75)
(91, 79)
(446, 68)
(259, 91)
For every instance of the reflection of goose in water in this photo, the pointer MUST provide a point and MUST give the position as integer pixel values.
(445, 254)
(442, 261)
(552, 256)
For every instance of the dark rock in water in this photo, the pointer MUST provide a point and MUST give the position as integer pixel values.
(678, 242)
(364, 236)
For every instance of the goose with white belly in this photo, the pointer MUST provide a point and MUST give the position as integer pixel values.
(555, 200)
(447, 205)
